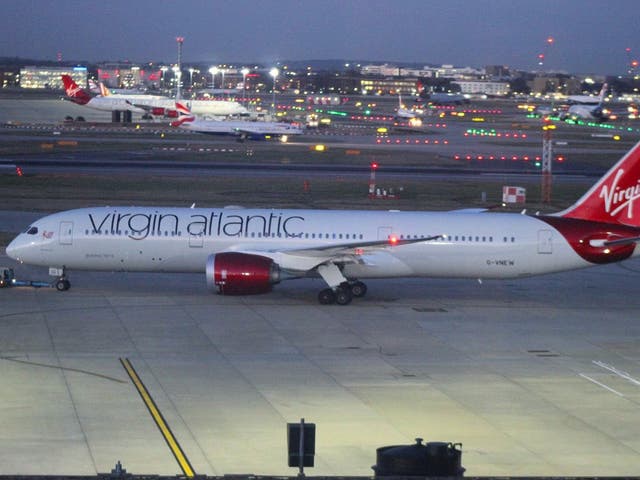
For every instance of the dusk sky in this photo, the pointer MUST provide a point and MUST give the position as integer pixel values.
(590, 36)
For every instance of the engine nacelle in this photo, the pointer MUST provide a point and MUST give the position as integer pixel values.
(158, 111)
(171, 113)
(234, 273)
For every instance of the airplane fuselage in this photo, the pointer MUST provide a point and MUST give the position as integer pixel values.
(463, 245)
(234, 127)
(127, 102)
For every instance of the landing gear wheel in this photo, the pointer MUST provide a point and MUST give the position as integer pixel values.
(343, 296)
(358, 289)
(326, 297)
(63, 285)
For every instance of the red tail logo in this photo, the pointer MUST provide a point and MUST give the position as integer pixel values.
(182, 109)
(74, 92)
(613, 199)
(184, 115)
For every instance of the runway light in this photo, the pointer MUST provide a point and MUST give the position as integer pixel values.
(319, 148)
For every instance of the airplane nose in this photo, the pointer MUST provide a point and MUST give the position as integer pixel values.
(12, 249)
(16, 248)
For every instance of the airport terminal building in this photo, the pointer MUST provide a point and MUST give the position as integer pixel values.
(50, 77)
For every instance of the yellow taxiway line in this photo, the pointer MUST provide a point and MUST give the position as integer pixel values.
(171, 440)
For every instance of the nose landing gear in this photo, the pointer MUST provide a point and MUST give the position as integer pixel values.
(61, 283)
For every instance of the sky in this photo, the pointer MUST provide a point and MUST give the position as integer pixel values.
(589, 36)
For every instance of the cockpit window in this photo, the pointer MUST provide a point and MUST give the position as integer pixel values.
(32, 231)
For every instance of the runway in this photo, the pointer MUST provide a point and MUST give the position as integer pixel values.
(535, 376)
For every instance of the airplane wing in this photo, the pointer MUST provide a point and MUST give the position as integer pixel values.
(247, 131)
(469, 210)
(305, 259)
(360, 247)
(147, 108)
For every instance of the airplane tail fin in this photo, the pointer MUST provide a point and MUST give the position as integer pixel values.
(184, 115)
(183, 109)
(603, 91)
(93, 87)
(104, 91)
(74, 92)
(614, 198)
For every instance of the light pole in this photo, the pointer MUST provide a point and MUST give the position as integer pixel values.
(274, 73)
(180, 41)
(163, 70)
(191, 70)
(222, 86)
(244, 72)
(178, 78)
(213, 71)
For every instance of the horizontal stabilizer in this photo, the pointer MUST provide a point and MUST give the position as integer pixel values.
(621, 241)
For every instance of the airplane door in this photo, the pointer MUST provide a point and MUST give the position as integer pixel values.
(196, 241)
(545, 241)
(384, 233)
(65, 234)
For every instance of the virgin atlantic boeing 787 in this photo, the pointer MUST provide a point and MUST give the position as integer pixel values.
(246, 251)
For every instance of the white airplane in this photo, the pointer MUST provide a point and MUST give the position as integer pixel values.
(593, 110)
(404, 112)
(101, 89)
(439, 98)
(147, 104)
(243, 129)
(246, 251)
(587, 99)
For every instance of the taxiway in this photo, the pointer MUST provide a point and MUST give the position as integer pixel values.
(536, 376)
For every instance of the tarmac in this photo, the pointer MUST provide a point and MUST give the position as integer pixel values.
(535, 377)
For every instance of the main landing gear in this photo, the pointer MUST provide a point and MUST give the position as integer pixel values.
(343, 293)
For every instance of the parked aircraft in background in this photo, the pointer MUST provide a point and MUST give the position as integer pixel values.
(101, 89)
(246, 251)
(242, 129)
(409, 113)
(588, 99)
(147, 104)
(594, 110)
